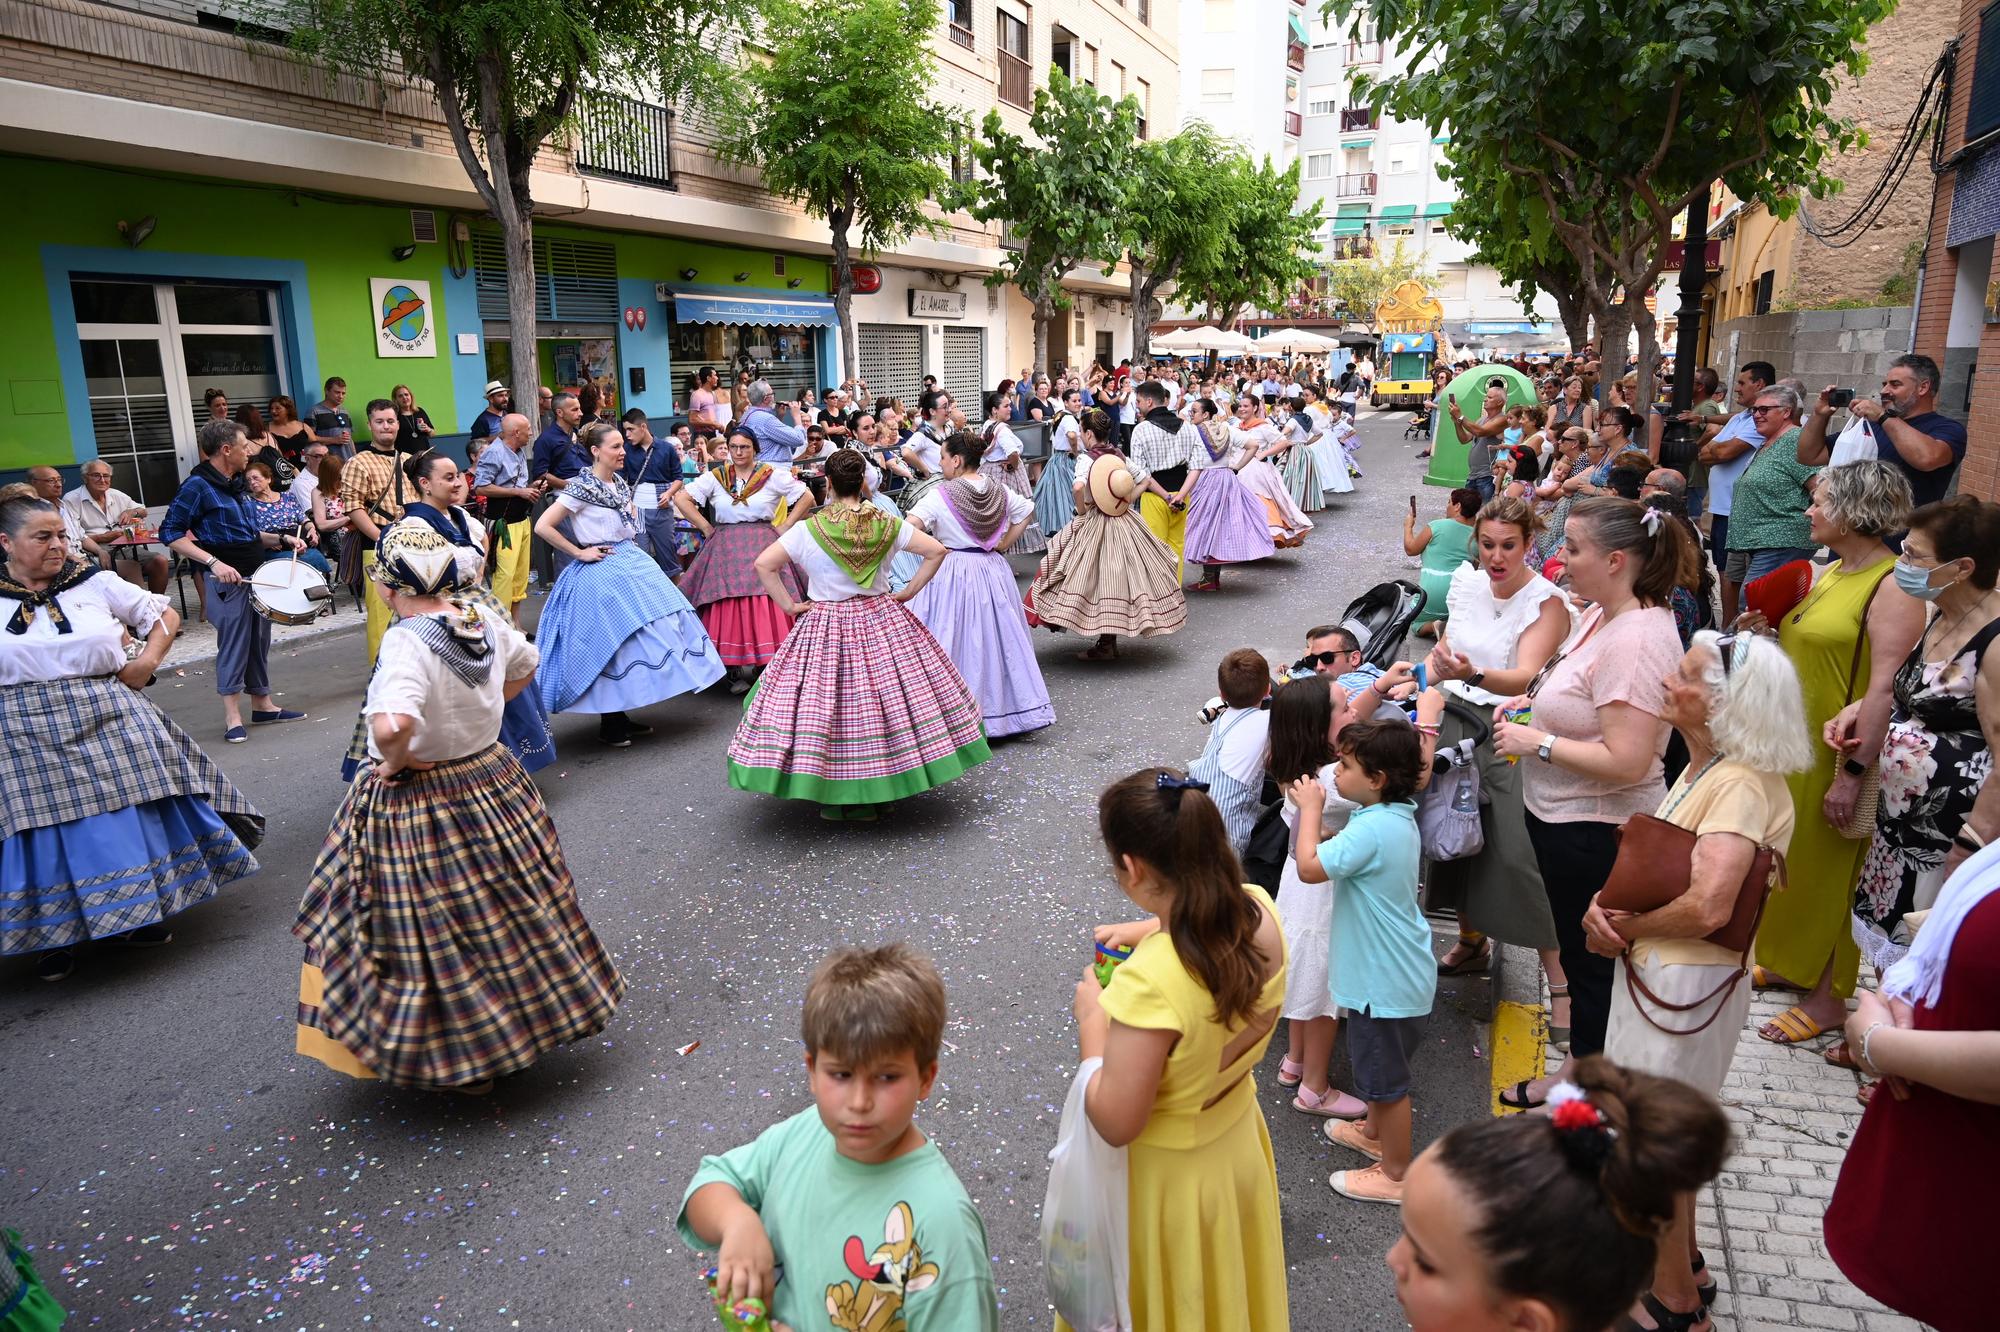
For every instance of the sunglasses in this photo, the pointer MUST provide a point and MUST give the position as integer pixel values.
(1732, 648)
(1311, 659)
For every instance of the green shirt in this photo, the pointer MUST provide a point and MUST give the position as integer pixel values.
(1769, 511)
(903, 1233)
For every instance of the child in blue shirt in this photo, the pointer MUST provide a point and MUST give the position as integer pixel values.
(858, 1209)
(1383, 972)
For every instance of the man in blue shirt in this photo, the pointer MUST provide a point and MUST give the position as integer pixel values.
(213, 524)
(556, 455)
(1905, 425)
(777, 442)
(486, 425)
(653, 461)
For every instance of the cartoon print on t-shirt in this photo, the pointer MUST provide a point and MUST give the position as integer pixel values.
(894, 1270)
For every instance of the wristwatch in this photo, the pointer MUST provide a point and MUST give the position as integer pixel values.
(1476, 679)
(1547, 750)
(1854, 768)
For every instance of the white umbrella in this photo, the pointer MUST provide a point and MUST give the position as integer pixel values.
(1228, 343)
(1295, 340)
(1186, 339)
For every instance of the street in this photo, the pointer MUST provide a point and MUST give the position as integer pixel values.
(173, 1163)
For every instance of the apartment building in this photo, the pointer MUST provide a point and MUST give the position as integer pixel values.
(193, 208)
(1243, 70)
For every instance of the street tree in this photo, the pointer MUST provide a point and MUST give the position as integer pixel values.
(1618, 114)
(1267, 250)
(1360, 284)
(1178, 188)
(508, 75)
(1521, 247)
(838, 119)
(1061, 191)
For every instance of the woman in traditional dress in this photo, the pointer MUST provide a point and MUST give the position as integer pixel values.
(972, 607)
(615, 632)
(860, 707)
(1106, 573)
(1302, 472)
(1055, 502)
(1002, 462)
(111, 819)
(1257, 442)
(444, 946)
(1225, 521)
(1332, 460)
(721, 579)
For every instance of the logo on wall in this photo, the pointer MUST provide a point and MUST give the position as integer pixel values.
(404, 325)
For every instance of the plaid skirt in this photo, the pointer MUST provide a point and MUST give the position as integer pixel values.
(860, 706)
(725, 566)
(443, 940)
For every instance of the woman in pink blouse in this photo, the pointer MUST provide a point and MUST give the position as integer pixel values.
(1590, 750)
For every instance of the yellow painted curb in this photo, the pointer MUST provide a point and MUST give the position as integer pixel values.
(1519, 1034)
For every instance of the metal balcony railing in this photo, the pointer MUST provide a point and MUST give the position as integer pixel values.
(1356, 118)
(1364, 53)
(1354, 184)
(625, 139)
(1353, 247)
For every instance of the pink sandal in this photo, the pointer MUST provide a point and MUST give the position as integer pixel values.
(1290, 1072)
(1333, 1103)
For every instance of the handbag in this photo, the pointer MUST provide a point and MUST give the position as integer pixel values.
(1655, 866)
(1448, 809)
(1860, 824)
(1086, 1251)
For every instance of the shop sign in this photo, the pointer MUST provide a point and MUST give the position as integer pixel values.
(926, 304)
(405, 324)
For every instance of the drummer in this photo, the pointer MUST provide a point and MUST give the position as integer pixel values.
(213, 523)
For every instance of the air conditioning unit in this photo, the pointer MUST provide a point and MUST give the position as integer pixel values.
(423, 226)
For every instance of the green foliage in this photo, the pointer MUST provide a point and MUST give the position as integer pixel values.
(1360, 284)
(1177, 189)
(838, 119)
(1266, 251)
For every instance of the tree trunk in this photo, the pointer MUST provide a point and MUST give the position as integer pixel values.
(1614, 327)
(1144, 308)
(1045, 311)
(1648, 327)
(843, 296)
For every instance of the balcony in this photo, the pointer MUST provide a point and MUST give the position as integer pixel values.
(1364, 53)
(1352, 247)
(624, 139)
(1357, 118)
(1295, 55)
(1355, 185)
(1293, 124)
(1015, 82)
(962, 35)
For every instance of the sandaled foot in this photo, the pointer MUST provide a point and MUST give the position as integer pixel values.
(1704, 1284)
(1520, 1097)
(1290, 1072)
(1865, 1093)
(1464, 960)
(1333, 1103)
(1662, 1319)
(1098, 653)
(1353, 1137)
(1369, 1184)
(1840, 1056)
(55, 964)
(1794, 1026)
(1760, 979)
(1559, 1017)
(1206, 585)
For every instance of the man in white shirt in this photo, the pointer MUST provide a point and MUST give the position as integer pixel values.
(306, 484)
(84, 540)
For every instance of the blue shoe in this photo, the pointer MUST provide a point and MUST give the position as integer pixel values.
(282, 714)
(236, 735)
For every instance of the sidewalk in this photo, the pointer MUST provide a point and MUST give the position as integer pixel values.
(197, 637)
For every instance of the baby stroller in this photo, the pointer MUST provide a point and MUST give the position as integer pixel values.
(1380, 619)
(1420, 424)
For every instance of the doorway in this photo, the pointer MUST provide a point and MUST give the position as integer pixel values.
(1104, 350)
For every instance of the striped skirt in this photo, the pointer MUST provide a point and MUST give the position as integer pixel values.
(860, 706)
(443, 940)
(1106, 575)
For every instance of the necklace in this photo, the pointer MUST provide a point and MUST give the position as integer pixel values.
(1953, 627)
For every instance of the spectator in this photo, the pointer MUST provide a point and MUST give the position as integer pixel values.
(777, 441)
(1848, 638)
(331, 424)
(48, 485)
(545, 408)
(703, 417)
(1939, 803)
(292, 434)
(739, 403)
(590, 400)
(1479, 436)
(1679, 1000)
(1694, 606)
(103, 515)
(217, 403)
(373, 491)
(1726, 448)
(500, 477)
(556, 454)
(277, 511)
(651, 461)
(264, 446)
(1904, 424)
(486, 425)
(1574, 410)
(833, 418)
(1445, 544)
(413, 423)
(322, 500)
(1768, 525)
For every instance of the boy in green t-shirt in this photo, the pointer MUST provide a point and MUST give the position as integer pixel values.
(859, 1209)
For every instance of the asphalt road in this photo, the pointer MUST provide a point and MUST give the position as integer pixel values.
(174, 1164)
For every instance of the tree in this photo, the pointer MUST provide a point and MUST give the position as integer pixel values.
(1617, 114)
(1178, 188)
(1061, 193)
(1267, 251)
(508, 74)
(1527, 258)
(838, 120)
(1360, 284)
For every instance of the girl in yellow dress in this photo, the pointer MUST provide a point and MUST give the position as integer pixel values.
(1182, 1025)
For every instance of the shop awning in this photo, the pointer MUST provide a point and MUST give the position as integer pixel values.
(1438, 209)
(1357, 143)
(1395, 213)
(703, 307)
(1351, 220)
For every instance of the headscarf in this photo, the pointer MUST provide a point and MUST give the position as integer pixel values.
(858, 539)
(412, 557)
(1918, 976)
(452, 525)
(72, 573)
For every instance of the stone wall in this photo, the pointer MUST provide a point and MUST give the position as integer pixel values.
(1851, 348)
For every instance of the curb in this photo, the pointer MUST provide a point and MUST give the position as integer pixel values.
(1520, 1023)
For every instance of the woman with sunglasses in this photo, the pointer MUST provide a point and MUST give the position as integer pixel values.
(1768, 526)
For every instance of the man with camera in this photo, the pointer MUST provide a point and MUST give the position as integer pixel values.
(1904, 425)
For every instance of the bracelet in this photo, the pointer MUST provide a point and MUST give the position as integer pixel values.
(1868, 1062)
(1969, 837)
(1965, 843)
(1426, 728)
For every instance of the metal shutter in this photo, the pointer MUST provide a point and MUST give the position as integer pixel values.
(964, 374)
(575, 280)
(892, 361)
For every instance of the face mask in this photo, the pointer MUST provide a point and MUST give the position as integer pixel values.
(1917, 582)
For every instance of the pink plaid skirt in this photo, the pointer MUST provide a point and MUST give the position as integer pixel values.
(725, 566)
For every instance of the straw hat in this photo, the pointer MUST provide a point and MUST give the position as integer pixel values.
(1111, 485)
(493, 386)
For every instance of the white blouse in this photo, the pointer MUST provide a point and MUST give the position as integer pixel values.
(928, 450)
(761, 507)
(825, 579)
(1200, 459)
(1257, 438)
(1064, 436)
(943, 524)
(1004, 444)
(99, 610)
(1485, 630)
(595, 525)
(453, 719)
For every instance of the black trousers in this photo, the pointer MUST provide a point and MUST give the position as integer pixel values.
(1576, 859)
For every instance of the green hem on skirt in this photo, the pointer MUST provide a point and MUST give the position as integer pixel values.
(25, 1303)
(859, 791)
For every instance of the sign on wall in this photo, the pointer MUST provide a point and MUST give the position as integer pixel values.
(927, 304)
(405, 323)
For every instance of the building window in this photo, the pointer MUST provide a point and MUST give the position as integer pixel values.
(1400, 159)
(1764, 285)
(1319, 166)
(1218, 85)
(1322, 99)
(1143, 11)
(961, 154)
(960, 13)
(1015, 80)
(1325, 37)
(1088, 73)
(1219, 16)
(1145, 105)
(1982, 112)
(1062, 51)
(1117, 88)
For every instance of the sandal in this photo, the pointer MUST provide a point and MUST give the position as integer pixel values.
(1840, 1056)
(1865, 1093)
(1099, 652)
(1706, 1289)
(1333, 1103)
(1794, 1026)
(1664, 1319)
(1479, 959)
(1206, 585)
(1522, 1100)
(1761, 979)
(1558, 1036)
(1290, 1072)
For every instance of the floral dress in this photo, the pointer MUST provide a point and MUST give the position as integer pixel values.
(1934, 762)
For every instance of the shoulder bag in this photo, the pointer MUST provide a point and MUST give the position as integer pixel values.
(1860, 825)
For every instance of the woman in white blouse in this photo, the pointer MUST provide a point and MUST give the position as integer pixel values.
(1002, 462)
(111, 819)
(860, 707)
(721, 580)
(615, 633)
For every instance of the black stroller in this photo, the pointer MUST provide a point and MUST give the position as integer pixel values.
(1420, 424)
(1380, 619)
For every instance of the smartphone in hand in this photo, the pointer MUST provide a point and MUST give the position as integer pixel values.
(1413, 506)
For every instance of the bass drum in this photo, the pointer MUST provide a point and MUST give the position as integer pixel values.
(285, 591)
(912, 491)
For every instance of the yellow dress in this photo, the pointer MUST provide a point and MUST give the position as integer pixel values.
(1208, 1253)
(1807, 922)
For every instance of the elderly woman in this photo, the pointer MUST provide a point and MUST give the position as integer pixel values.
(1938, 805)
(112, 819)
(1679, 1001)
(1848, 638)
(278, 511)
(1768, 525)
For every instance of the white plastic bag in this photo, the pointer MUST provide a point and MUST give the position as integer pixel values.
(1085, 1239)
(1853, 444)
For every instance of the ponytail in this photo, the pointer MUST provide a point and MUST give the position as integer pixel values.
(1155, 816)
(1664, 555)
